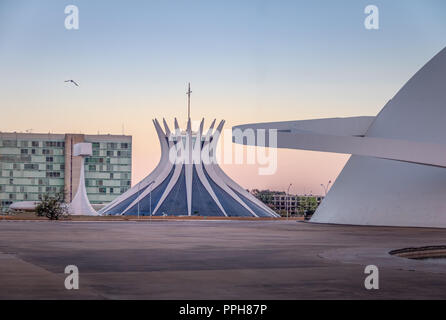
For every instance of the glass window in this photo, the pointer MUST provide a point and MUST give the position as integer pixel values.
(10, 143)
(31, 166)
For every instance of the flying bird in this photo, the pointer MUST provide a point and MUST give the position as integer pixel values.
(72, 81)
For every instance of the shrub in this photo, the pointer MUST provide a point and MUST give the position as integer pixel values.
(51, 206)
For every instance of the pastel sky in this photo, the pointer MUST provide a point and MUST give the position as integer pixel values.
(248, 61)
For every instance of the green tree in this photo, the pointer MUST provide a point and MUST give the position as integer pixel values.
(311, 205)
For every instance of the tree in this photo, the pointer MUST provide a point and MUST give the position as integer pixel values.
(312, 205)
(51, 206)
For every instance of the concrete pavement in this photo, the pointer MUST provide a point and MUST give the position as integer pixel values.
(214, 260)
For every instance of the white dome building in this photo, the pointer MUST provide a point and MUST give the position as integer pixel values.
(397, 173)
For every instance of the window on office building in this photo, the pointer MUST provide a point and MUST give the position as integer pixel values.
(10, 143)
(31, 166)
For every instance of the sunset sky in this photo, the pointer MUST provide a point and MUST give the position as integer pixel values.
(247, 61)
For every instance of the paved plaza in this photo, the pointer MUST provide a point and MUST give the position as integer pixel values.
(214, 260)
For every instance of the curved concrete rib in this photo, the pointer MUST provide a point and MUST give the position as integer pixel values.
(198, 167)
(177, 170)
(345, 135)
(161, 167)
(188, 167)
(172, 182)
(231, 183)
(214, 176)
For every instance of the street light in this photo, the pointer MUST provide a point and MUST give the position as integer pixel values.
(139, 186)
(150, 197)
(326, 187)
(288, 200)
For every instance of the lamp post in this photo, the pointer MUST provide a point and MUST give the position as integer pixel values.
(150, 199)
(288, 200)
(139, 186)
(326, 187)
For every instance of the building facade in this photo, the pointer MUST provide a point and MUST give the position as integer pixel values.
(32, 164)
(292, 204)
